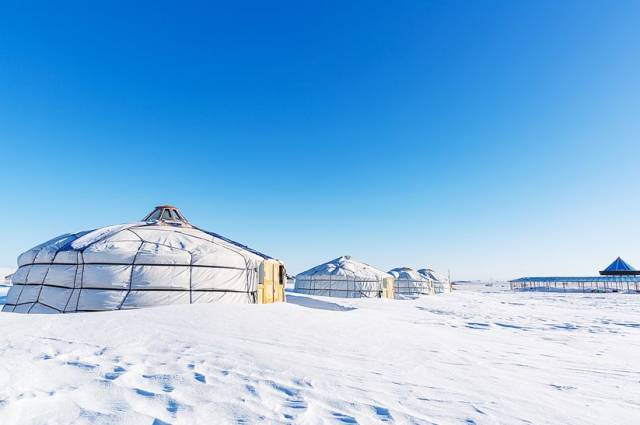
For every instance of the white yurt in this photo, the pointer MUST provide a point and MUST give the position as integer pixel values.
(347, 278)
(410, 284)
(441, 283)
(160, 260)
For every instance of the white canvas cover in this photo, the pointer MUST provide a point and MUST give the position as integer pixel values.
(342, 277)
(441, 283)
(130, 266)
(410, 284)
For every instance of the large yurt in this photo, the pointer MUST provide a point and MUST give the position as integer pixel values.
(346, 278)
(160, 260)
(410, 284)
(440, 282)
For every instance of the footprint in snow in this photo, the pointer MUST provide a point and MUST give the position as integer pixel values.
(562, 387)
(629, 325)
(252, 390)
(477, 325)
(345, 419)
(164, 380)
(566, 327)
(382, 413)
(144, 393)
(81, 365)
(172, 406)
(507, 325)
(117, 371)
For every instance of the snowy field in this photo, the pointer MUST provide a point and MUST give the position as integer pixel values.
(480, 355)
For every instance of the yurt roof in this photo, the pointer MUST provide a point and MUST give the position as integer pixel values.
(406, 273)
(345, 266)
(432, 275)
(171, 241)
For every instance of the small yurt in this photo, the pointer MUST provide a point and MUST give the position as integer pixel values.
(440, 282)
(160, 260)
(347, 278)
(410, 284)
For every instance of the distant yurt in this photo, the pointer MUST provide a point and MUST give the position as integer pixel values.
(160, 260)
(408, 283)
(440, 282)
(347, 278)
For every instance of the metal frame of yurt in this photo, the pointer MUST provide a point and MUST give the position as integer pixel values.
(376, 293)
(430, 290)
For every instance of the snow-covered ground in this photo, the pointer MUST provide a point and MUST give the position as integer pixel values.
(479, 355)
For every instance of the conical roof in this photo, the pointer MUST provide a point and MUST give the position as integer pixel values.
(432, 275)
(619, 266)
(346, 267)
(407, 273)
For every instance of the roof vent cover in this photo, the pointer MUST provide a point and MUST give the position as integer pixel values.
(167, 214)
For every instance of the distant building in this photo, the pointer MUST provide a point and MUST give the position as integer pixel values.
(618, 277)
(619, 267)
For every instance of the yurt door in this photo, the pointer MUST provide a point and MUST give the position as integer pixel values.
(267, 277)
(272, 280)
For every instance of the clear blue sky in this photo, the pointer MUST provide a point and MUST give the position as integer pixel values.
(492, 138)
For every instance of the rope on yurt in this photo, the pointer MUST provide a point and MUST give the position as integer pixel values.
(44, 277)
(190, 277)
(133, 264)
(75, 279)
(232, 243)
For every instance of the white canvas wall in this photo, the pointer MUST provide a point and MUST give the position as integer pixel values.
(343, 277)
(131, 266)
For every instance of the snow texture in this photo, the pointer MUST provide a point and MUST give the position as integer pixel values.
(480, 355)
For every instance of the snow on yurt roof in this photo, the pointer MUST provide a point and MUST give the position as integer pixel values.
(344, 267)
(165, 237)
(406, 273)
(432, 275)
